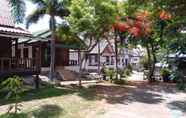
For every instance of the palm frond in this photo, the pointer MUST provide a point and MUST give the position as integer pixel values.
(61, 10)
(40, 3)
(35, 16)
(18, 10)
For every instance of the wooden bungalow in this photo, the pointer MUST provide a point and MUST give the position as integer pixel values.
(10, 60)
(27, 49)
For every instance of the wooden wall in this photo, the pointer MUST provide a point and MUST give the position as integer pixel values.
(62, 55)
(5, 47)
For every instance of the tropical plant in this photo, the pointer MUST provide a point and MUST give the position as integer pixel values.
(53, 8)
(18, 9)
(14, 87)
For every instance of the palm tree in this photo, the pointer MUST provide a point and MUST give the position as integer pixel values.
(18, 9)
(52, 8)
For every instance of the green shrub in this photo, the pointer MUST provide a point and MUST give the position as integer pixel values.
(111, 73)
(14, 87)
(165, 72)
(127, 72)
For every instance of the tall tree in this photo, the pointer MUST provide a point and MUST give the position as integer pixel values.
(53, 8)
(92, 20)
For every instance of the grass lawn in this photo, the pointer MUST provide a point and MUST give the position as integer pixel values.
(56, 102)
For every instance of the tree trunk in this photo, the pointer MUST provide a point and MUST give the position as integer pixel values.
(52, 48)
(149, 62)
(116, 57)
(99, 58)
(80, 67)
(153, 62)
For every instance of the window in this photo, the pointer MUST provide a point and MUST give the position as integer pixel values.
(126, 61)
(93, 60)
(73, 62)
(107, 60)
(96, 58)
(112, 60)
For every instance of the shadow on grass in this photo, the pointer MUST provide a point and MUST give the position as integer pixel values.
(123, 95)
(32, 94)
(21, 115)
(113, 94)
(46, 111)
(178, 105)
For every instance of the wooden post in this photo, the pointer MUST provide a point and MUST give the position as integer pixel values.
(16, 52)
(38, 66)
(37, 81)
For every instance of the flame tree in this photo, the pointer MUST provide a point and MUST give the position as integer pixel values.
(146, 29)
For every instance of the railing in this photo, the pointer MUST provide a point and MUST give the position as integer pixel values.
(7, 64)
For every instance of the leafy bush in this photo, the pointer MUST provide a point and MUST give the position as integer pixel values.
(14, 87)
(111, 73)
(165, 72)
(127, 72)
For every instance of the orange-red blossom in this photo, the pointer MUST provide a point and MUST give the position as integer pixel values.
(164, 15)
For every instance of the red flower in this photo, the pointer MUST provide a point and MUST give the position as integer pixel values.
(165, 15)
(135, 31)
(121, 26)
(142, 15)
(139, 24)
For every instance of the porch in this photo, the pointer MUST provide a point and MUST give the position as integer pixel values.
(18, 66)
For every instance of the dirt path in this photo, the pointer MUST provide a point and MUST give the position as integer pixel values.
(143, 100)
(147, 103)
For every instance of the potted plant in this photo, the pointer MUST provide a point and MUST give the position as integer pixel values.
(165, 73)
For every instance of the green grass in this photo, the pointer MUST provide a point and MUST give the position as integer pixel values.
(56, 102)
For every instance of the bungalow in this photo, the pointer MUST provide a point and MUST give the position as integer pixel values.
(107, 57)
(27, 49)
(10, 61)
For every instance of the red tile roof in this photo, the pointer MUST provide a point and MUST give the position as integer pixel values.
(7, 25)
(13, 30)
